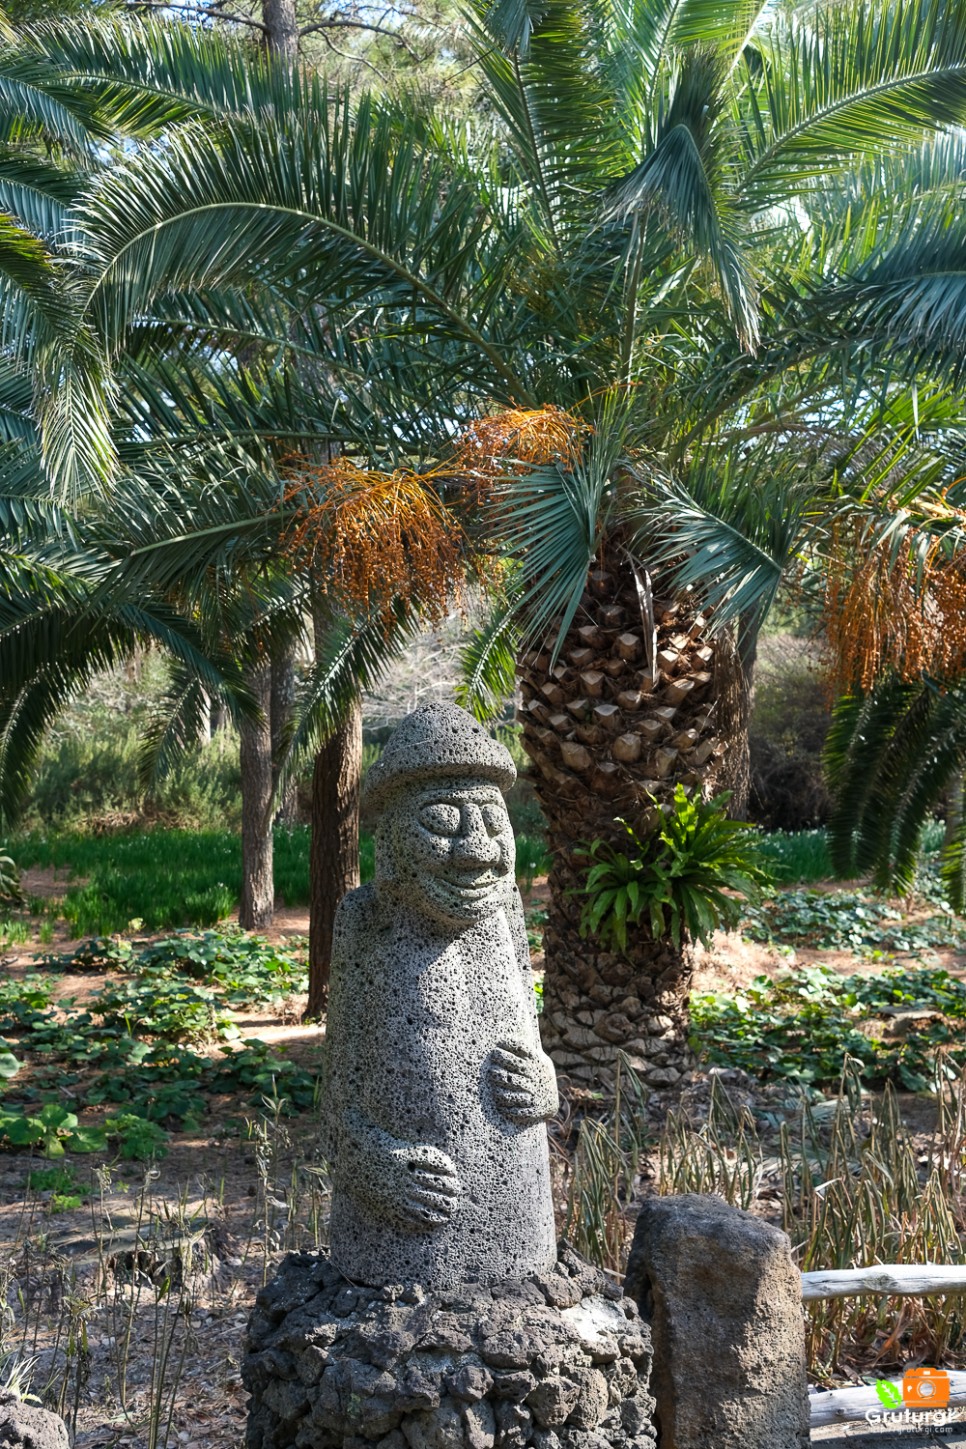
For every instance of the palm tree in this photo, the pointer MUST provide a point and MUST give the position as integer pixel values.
(693, 259)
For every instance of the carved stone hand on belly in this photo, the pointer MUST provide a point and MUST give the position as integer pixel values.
(422, 1185)
(523, 1083)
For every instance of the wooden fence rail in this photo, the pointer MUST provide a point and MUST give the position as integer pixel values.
(842, 1406)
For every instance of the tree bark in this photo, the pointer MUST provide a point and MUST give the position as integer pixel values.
(258, 890)
(283, 707)
(641, 699)
(334, 850)
(281, 27)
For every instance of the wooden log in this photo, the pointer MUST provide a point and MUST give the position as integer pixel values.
(702, 680)
(614, 667)
(611, 616)
(844, 1406)
(592, 683)
(627, 748)
(579, 708)
(579, 658)
(547, 738)
(538, 711)
(650, 679)
(679, 642)
(629, 646)
(686, 740)
(552, 692)
(608, 716)
(895, 1279)
(667, 660)
(629, 699)
(560, 673)
(678, 690)
(575, 756)
(590, 636)
(536, 660)
(666, 713)
(561, 724)
(704, 654)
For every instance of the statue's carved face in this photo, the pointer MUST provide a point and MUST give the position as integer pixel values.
(451, 850)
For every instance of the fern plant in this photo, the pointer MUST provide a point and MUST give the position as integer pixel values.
(676, 880)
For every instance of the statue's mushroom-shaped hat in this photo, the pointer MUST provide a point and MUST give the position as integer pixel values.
(435, 740)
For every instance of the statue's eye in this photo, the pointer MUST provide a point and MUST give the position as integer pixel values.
(441, 819)
(494, 818)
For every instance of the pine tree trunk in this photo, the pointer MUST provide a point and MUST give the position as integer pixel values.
(640, 700)
(334, 850)
(258, 889)
(281, 27)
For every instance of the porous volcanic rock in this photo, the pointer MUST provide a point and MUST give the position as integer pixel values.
(724, 1301)
(558, 1360)
(24, 1426)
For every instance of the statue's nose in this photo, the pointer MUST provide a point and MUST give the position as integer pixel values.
(474, 844)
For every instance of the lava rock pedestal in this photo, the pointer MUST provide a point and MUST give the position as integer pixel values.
(555, 1359)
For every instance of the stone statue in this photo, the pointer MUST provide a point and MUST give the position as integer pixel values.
(437, 1089)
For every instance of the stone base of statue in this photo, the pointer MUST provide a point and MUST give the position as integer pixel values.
(556, 1359)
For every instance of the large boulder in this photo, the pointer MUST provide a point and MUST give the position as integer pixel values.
(23, 1426)
(724, 1301)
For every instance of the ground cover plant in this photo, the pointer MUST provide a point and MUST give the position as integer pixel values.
(806, 1025)
(133, 1057)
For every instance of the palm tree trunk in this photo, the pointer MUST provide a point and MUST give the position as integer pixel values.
(334, 850)
(641, 699)
(255, 736)
(283, 707)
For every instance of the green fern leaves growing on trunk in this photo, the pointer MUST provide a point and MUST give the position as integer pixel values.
(676, 880)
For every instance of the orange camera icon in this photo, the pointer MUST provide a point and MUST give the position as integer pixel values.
(925, 1388)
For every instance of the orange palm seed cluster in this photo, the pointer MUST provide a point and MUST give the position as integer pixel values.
(896, 611)
(374, 538)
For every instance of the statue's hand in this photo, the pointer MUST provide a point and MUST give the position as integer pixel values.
(423, 1186)
(523, 1083)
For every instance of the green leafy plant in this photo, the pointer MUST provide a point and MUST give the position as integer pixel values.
(677, 879)
(52, 1128)
(138, 1140)
(10, 893)
(246, 968)
(169, 1009)
(805, 1026)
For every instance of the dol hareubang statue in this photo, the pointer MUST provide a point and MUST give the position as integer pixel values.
(437, 1087)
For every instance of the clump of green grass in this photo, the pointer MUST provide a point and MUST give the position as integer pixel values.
(162, 879)
(793, 857)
